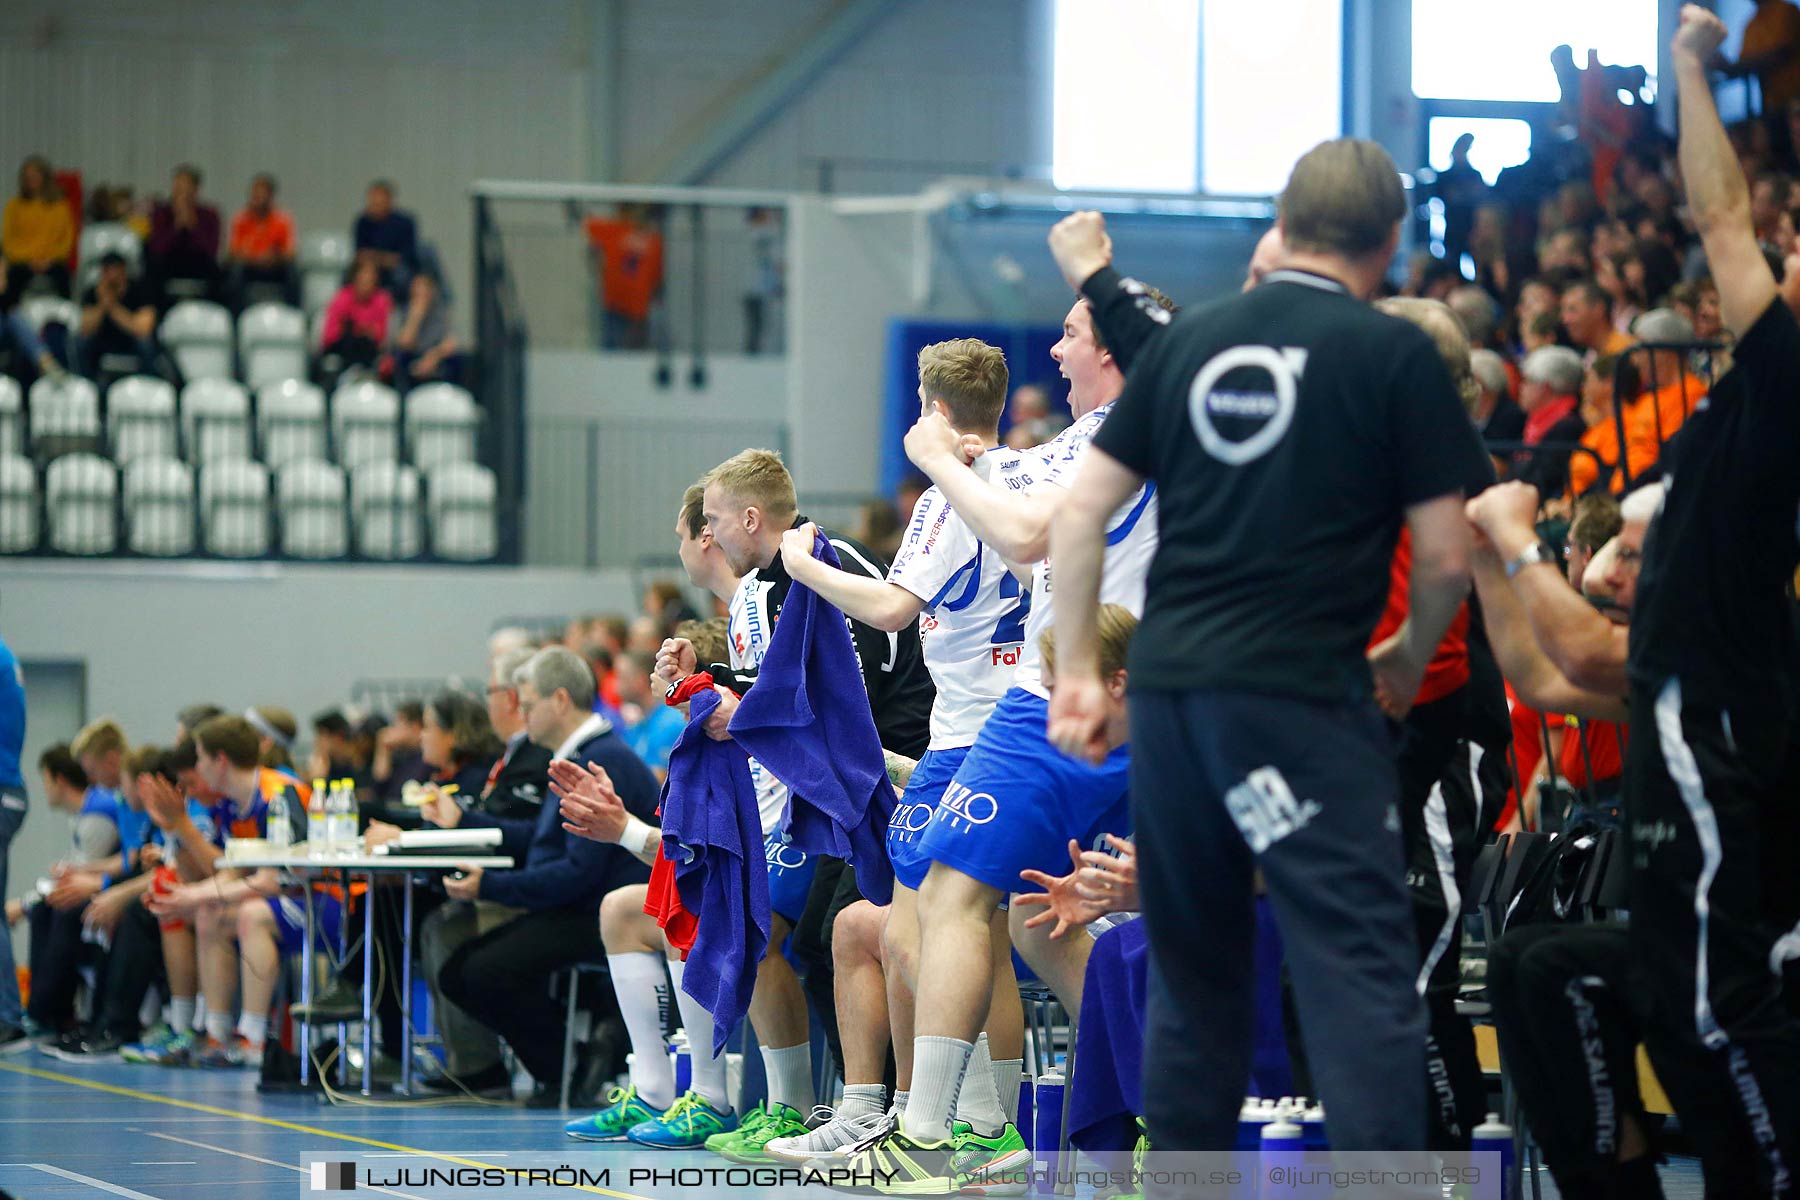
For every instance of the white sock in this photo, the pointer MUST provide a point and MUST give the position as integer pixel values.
(642, 987)
(199, 1013)
(218, 1026)
(254, 1027)
(709, 1072)
(790, 1076)
(939, 1064)
(900, 1099)
(1008, 1072)
(978, 1101)
(860, 1099)
(181, 1014)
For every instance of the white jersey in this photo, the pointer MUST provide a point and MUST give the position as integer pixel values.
(973, 626)
(749, 629)
(1130, 545)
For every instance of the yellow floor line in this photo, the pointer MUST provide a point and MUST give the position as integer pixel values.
(273, 1122)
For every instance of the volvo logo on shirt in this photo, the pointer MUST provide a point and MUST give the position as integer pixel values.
(961, 807)
(1241, 423)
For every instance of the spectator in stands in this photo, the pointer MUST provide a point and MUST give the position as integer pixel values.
(651, 726)
(762, 325)
(878, 527)
(1673, 388)
(1551, 377)
(1609, 273)
(458, 742)
(181, 257)
(647, 635)
(262, 246)
(1478, 312)
(667, 605)
(1564, 252)
(1496, 417)
(37, 233)
(425, 349)
(628, 258)
(1586, 311)
(492, 956)
(1032, 418)
(388, 237)
(1544, 330)
(334, 754)
(17, 331)
(1610, 376)
(356, 321)
(276, 730)
(1461, 189)
(118, 318)
(1649, 270)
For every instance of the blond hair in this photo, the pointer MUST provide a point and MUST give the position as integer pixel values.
(1343, 197)
(99, 737)
(969, 376)
(709, 639)
(1113, 627)
(1440, 323)
(757, 479)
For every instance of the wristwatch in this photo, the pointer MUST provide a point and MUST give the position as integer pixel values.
(1537, 552)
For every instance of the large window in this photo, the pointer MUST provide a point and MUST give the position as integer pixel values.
(1490, 51)
(1273, 84)
(1500, 142)
(1125, 94)
(1137, 79)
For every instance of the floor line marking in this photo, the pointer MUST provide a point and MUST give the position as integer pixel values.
(273, 1122)
(169, 1137)
(101, 1184)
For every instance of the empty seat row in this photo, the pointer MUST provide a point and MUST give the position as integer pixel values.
(381, 509)
(440, 422)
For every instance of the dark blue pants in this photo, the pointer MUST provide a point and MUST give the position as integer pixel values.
(1224, 783)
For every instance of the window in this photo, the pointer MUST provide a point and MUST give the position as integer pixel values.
(1462, 51)
(1500, 142)
(1273, 89)
(1126, 83)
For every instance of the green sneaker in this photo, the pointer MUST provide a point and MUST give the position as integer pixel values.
(751, 1149)
(991, 1166)
(690, 1123)
(176, 1051)
(901, 1166)
(750, 1122)
(613, 1122)
(154, 1042)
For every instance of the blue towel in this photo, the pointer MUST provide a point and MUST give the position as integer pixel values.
(808, 722)
(712, 832)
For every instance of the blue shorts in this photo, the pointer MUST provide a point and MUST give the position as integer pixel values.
(290, 922)
(1017, 800)
(913, 813)
(790, 877)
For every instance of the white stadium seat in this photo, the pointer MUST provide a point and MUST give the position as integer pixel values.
(140, 418)
(159, 507)
(271, 344)
(441, 421)
(18, 504)
(198, 333)
(79, 493)
(103, 238)
(324, 257)
(234, 508)
(384, 505)
(215, 420)
(311, 499)
(461, 499)
(365, 421)
(290, 422)
(12, 416)
(68, 409)
(51, 310)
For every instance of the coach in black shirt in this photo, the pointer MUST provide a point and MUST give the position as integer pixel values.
(1290, 431)
(1711, 668)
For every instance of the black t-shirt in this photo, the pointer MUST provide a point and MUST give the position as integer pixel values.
(893, 664)
(1712, 606)
(136, 297)
(1506, 423)
(1287, 430)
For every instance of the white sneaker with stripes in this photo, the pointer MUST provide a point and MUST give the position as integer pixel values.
(831, 1139)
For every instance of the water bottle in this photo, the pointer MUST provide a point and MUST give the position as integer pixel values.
(682, 1058)
(341, 811)
(1251, 1119)
(281, 828)
(1024, 1123)
(316, 837)
(1313, 1122)
(1496, 1136)
(1046, 1134)
(1283, 1146)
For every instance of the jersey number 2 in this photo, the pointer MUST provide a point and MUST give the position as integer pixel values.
(1012, 626)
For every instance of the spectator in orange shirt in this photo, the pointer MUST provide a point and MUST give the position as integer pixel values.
(628, 256)
(1587, 318)
(1608, 376)
(262, 247)
(1771, 52)
(1672, 387)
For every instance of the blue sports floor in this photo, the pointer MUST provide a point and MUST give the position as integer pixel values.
(145, 1133)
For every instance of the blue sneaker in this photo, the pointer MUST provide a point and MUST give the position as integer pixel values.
(686, 1126)
(613, 1122)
